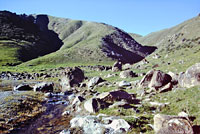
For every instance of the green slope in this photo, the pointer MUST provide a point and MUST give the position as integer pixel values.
(178, 47)
(23, 39)
(91, 42)
(42, 39)
(187, 31)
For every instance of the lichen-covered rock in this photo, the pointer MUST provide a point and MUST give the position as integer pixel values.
(191, 77)
(166, 124)
(155, 79)
(95, 125)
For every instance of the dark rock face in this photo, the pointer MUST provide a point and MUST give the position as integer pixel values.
(166, 124)
(44, 87)
(33, 30)
(23, 87)
(191, 77)
(155, 79)
(121, 46)
(71, 77)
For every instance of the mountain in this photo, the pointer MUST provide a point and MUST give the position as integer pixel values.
(23, 38)
(64, 40)
(178, 47)
(135, 36)
(187, 32)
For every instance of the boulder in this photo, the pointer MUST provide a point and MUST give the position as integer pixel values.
(117, 66)
(77, 101)
(94, 124)
(166, 88)
(92, 105)
(166, 124)
(111, 97)
(44, 87)
(127, 74)
(94, 81)
(191, 77)
(155, 79)
(118, 124)
(71, 77)
(104, 100)
(124, 84)
(22, 87)
(120, 104)
(89, 124)
(158, 105)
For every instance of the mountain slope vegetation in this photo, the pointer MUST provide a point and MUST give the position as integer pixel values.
(64, 40)
(23, 39)
(178, 47)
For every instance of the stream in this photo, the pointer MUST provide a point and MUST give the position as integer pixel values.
(51, 121)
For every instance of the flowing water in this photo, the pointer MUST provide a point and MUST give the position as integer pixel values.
(51, 121)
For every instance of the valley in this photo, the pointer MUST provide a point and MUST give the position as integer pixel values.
(68, 76)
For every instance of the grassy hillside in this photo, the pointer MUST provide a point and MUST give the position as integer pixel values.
(42, 39)
(91, 42)
(135, 36)
(22, 39)
(178, 47)
(186, 32)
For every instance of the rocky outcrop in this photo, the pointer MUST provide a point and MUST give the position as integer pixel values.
(44, 87)
(155, 79)
(166, 124)
(191, 77)
(71, 77)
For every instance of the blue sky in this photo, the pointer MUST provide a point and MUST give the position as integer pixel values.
(136, 16)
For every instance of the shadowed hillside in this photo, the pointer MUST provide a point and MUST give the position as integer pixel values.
(23, 38)
(92, 42)
(28, 37)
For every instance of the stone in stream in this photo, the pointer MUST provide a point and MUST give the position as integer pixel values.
(71, 77)
(44, 87)
(22, 87)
